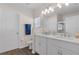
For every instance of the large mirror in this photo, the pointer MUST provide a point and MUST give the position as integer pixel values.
(68, 19)
(72, 24)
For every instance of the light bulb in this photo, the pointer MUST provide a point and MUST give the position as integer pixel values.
(66, 4)
(51, 9)
(44, 13)
(58, 5)
(46, 10)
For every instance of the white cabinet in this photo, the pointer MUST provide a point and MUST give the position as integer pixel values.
(37, 44)
(43, 46)
(40, 45)
(53, 49)
(68, 52)
(52, 46)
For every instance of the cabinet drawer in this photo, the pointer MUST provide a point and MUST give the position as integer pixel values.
(40, 45)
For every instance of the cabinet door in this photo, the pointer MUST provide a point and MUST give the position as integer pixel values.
(37, 44)
(51, 48)
(40, 45)
(43, 46)
(68, 52)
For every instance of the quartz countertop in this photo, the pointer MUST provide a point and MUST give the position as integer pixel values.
(55, 37)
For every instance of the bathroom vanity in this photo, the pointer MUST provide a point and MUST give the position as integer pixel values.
(55, 45)
(68, 44)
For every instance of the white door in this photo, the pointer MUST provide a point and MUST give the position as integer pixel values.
(8, 30)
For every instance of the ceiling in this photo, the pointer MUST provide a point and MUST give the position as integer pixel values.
(65, 10)
(25, 7)
(72, 8)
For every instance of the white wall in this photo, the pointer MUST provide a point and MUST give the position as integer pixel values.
(23, 18)
(8, 29)
(24, 39)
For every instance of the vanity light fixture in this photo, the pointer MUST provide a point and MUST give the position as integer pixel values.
(50, 9)
(58, 5)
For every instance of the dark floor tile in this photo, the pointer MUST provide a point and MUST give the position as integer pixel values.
(23, 51)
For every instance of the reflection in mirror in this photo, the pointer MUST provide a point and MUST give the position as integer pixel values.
(72, 25)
